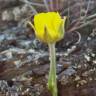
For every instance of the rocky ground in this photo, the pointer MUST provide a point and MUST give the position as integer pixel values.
(24, 61)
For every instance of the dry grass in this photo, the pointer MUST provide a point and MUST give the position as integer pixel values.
(80, 12)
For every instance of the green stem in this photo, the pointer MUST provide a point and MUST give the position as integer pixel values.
(52, 82)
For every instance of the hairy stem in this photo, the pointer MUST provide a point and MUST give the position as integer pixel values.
(52, 82)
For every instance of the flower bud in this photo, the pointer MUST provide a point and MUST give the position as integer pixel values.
(49, 27)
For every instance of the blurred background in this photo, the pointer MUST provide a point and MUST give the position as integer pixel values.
(24, 62)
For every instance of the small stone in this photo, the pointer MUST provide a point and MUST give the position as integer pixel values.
(9, 55)
(2, 37)
(90, 79)
(94, 61)
(77, 85)
(18, 63)
(16, 13)
(64, 80)
(77, 78)
(93, 55)
(39, 88)
(7, 16)
(85, 65)
(85, 74)
(82, 82)
(79, 66)
(89, 38)
(87, 57)
(31, 51)
(73, 47)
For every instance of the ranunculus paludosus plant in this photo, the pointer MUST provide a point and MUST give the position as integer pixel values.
(49, 28)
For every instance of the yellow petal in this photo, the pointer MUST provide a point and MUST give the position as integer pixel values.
(39, 23)
(57, 21)
(49, 27)
(61, 29)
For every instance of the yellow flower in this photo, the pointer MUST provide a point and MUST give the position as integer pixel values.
(49, 27)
